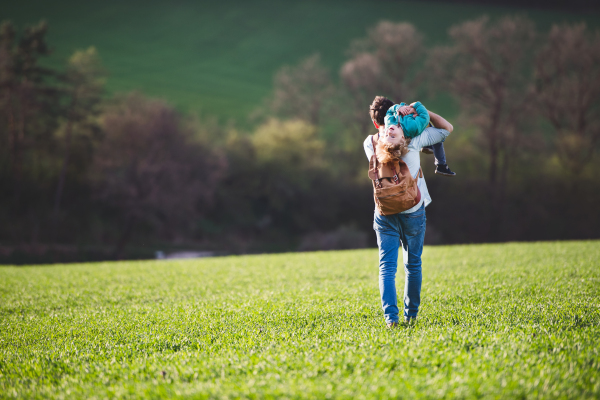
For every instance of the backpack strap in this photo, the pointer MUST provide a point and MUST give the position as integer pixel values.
(396, 179)
(377, 181)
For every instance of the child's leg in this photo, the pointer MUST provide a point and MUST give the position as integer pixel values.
(439, 153)
(440, 161)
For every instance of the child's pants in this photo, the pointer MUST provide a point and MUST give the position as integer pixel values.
(438, 153)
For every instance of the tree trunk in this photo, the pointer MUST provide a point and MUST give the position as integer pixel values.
(12, 132)
(19, 137)
(493, 159)
(493, 173)
(63, 171)
(501, 195)
(118, 252)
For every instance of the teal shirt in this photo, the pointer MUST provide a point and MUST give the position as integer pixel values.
(412, 126)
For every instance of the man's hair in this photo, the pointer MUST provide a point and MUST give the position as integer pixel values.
(378, 109)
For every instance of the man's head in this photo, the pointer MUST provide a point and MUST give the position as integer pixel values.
(378, 109)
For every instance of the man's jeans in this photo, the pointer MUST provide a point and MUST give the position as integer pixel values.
(392, 231)
(438, 153)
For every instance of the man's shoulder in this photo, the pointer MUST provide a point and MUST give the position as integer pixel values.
(368, 146)
(369, 140)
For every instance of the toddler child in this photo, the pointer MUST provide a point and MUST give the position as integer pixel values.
(413, 119)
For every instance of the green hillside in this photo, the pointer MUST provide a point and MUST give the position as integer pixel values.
(513, 321)
(219, 57)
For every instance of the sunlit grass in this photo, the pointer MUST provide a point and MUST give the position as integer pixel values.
(509, 321)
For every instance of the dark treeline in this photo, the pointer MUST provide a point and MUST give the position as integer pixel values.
(86, 176)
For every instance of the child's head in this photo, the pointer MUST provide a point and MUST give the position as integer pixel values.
(378, 109)
(392, 145)
(393, 131)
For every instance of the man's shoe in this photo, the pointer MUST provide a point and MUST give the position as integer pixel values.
(427, 150)
(392, 325)
(410, 321)
(443, 169)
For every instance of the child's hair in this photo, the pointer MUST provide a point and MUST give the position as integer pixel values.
(378, 109)
(387, 152)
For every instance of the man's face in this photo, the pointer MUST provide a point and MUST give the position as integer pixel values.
(393, 135)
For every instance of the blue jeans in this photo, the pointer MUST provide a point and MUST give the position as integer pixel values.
(392, 231)
(438, 153)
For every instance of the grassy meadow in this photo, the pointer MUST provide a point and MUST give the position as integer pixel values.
(497, 321)
(219, 58)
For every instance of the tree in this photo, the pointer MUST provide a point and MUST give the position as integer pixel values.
(271, 173)
(567, 83)
(487, 68)
(383, 63)
(85, 80)
(28, 98)
(149, 169)
(291, 148)
(30, 103)
(289, 158)
(302, 91)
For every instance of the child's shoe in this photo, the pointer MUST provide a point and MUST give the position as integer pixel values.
(427, 150)
(443, 169)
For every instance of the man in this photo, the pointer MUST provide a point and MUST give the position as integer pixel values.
(408, 227)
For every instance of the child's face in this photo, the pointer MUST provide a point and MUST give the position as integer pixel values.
(393, 135)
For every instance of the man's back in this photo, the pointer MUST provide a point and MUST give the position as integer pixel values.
(413, 159)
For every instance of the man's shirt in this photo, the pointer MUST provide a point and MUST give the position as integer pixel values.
(413, 160)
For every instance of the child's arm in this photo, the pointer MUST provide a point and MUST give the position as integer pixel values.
(413, 126)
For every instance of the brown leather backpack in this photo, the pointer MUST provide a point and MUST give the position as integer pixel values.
(393, 192)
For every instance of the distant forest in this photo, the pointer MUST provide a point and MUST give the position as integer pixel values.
(86, 176)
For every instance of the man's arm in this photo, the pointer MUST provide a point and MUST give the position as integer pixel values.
(439, 133)
(439, 122)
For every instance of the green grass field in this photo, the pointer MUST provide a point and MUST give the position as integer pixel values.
(219, 57)
(497, 321)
